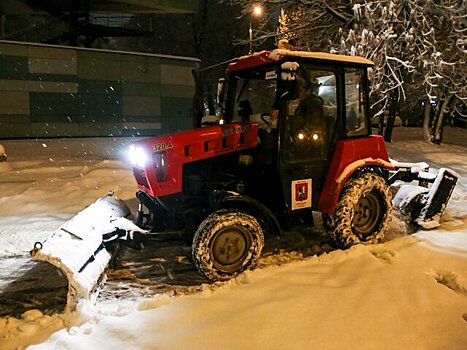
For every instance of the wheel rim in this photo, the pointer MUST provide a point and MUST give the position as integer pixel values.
(368, 214)
(229, 248)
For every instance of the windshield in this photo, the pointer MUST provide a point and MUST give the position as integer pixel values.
(255, 95)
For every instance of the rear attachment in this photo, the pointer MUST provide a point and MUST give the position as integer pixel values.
(83, 246)
(435, 201)
(424, 204)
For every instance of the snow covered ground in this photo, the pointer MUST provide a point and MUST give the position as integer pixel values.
(407, 293)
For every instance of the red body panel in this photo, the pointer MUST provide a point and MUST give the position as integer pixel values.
(189, 146)
(350, 155)
(254, 60)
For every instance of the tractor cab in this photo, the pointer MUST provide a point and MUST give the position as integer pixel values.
(303, 103)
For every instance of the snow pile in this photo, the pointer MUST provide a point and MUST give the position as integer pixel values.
(288, 70)
(372, 295)
(407, 293)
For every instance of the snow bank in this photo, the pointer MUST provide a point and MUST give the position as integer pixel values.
(402, 294)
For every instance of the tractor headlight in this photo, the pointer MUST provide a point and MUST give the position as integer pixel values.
(137, 156)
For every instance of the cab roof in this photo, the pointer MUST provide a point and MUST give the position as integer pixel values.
(264, 57)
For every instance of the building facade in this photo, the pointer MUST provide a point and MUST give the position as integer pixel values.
(57, 91)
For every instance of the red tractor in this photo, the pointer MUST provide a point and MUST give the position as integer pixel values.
(294, 137)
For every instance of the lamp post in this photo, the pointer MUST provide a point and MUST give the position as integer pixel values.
(257, 12)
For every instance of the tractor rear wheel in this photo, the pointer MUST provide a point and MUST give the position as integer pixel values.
(362, 213)
(227, 243)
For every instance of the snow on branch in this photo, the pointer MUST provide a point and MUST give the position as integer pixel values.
(417, 45)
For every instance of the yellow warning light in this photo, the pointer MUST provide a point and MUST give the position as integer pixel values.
(301, 136)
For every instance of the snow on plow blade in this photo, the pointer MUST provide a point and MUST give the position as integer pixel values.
(79, 247)
(424, 205)
(436, 199)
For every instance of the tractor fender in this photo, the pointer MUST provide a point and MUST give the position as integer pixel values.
(334, 183)
(266, 218)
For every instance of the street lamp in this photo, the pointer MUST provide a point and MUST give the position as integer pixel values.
(257, 12)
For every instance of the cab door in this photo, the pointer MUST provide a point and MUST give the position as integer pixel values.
(307, 133)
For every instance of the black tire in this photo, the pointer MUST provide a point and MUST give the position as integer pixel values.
(363, 212)
(227, 243)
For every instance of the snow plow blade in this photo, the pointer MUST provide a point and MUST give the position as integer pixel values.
(422, 203)
(82, 247)
(436, 200)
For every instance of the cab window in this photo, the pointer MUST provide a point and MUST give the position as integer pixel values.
(356, 121)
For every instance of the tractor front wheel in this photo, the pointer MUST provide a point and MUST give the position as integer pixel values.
(362, 213)
(227, 243)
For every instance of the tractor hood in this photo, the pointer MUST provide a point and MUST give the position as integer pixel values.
(158, 161)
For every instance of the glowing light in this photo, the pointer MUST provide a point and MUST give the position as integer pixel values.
(137, 156)
(301, 136)
(257, 10)
(315, 137)
(221, 121)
